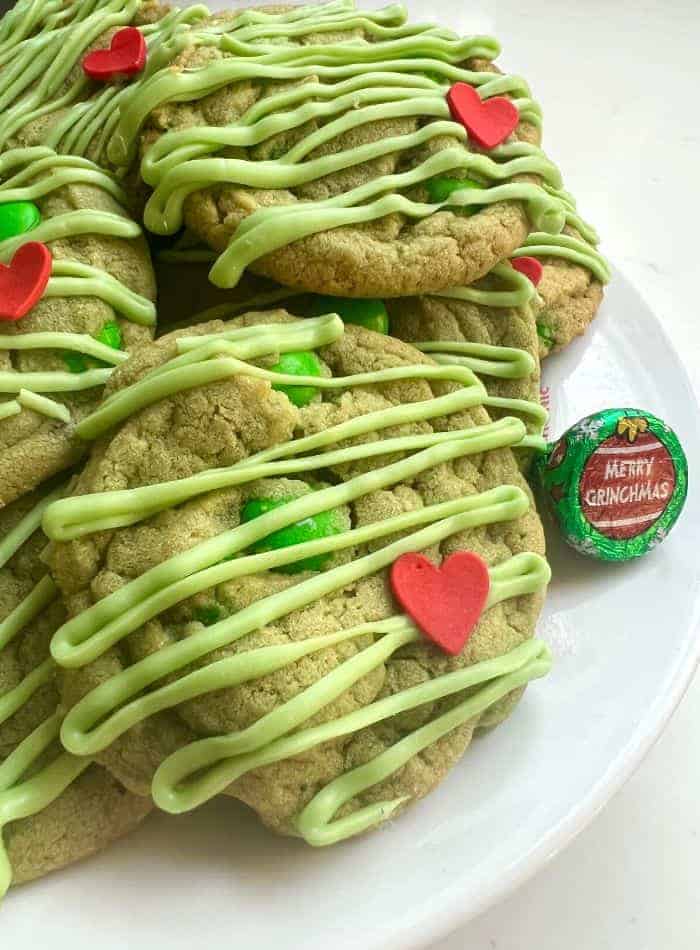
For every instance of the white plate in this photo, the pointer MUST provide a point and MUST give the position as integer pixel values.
(626, 644)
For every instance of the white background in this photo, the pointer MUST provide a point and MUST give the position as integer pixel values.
(619, 83)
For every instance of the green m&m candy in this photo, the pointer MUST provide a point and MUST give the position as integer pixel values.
(440, 188)
(323, 525)
(110, 335)
(208, 614)
(368, 313)
(616, 483)
(299, 363)
(18, 217)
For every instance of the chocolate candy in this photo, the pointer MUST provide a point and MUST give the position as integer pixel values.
(322, 525)
(363, 312)
(616, 483)
(301, 363)
(18, 217)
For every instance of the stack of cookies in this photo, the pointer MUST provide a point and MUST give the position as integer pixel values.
(285, 551)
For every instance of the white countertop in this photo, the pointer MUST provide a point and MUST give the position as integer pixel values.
(619, 83)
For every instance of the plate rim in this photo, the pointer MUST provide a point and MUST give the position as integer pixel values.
(446, 914)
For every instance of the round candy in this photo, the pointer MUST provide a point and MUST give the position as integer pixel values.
(18, 217)
(323, 525)
(616, 482)
(363, 312)
(301, 363)
(440, 189)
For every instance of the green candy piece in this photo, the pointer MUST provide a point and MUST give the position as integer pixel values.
(18, 217)
(368, 313)
(110, 335)
(440, 189)
(323, 525)
(208, 615)
(300, 363)
(546, 334)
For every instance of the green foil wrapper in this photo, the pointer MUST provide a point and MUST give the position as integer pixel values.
(616, 483)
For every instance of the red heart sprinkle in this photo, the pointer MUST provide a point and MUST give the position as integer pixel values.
(24, 281)
(488, 121)
(445, 602)
(126, 56)
(529, 266)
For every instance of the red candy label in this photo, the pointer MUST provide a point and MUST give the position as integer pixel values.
(445, 602)
(627, 485)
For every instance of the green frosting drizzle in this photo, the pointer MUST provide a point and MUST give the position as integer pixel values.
(279, 535)
(566, 247)
(24, 790)
(28, 174)
(41, 41)
(440, 189)
(403, 72)
(110, 337)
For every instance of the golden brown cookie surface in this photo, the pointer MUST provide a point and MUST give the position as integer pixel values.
(186, 434)
(95, 808)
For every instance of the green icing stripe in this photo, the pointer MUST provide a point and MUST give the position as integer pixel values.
(215, 366)
(521, 293)
(43, 405)
(78, 342)
(402, 72)
(568, 248)
(23, 790)
(10, 408)
(73, 224)
(21, 796)
(26, 611)
(14, 539)
(488, 682)
(74, 279)
(33, 173)
(42, 171)
(502, 362)
(14, 699)
(43, 41)
(52, 381)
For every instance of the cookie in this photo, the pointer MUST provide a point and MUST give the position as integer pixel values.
(225, 561)
(54, 808)
(77, 296)
(46, 96)
(318, 147)
(574, 275)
